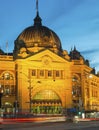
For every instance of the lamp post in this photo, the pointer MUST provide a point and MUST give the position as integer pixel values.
(30, 88)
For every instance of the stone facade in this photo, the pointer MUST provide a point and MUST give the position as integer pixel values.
(40, 77)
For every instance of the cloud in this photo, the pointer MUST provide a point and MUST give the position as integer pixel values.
(62, 10)
(95, 65)
(92, 56)
(90, 51)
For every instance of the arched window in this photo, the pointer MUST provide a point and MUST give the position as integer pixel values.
(7, 83)
(46, 95)
(6, 76)
(76, 88)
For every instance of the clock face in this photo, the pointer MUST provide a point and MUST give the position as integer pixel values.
(46, 60)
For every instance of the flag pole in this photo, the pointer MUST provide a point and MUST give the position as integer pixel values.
(37, 5)
(7, 48)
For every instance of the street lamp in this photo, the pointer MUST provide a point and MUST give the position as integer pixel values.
(30, 88)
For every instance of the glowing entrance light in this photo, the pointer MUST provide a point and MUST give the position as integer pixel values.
(47, 102)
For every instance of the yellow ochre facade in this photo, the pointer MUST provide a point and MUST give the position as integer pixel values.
(42, 78)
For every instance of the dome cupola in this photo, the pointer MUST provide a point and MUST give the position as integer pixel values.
(37, 35)
(1, 52)
(75, 55)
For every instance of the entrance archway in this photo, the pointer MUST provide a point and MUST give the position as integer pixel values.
(46, 102)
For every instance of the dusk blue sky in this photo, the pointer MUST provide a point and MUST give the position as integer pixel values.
(76, 22)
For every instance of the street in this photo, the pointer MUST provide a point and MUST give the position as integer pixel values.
(93, 125)
(90, 128)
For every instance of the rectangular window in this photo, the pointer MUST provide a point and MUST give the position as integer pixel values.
(62, 76)
(57, 73)
(12, 89)
(33, 72)
(7, 89)
(41, 73)
(49, 73)
(87, 92)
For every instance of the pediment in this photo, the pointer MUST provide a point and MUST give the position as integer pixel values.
(46, 56)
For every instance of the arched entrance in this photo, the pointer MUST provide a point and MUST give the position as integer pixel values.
(7, 109)
(46, 102)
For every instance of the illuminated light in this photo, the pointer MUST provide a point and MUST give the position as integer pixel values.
(90, 76)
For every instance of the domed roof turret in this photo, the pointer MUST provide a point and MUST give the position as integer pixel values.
(38, 35)
(75, 55)
(1, 52)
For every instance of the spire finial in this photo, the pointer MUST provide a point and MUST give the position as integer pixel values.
(37, 20)
(37, 5)
(74, 47)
